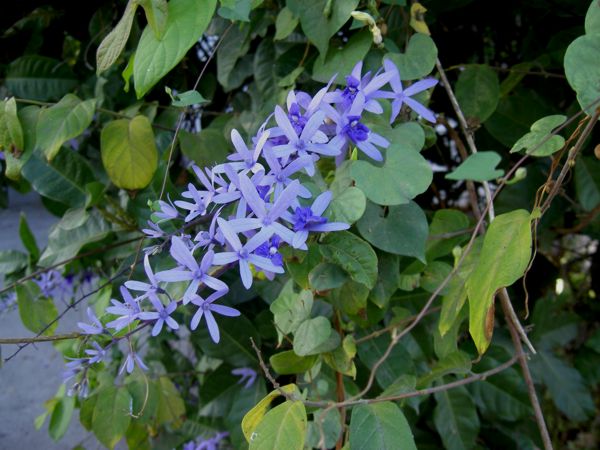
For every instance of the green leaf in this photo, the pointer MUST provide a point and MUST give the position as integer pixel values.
(351, 298)
(329, 423)
(186, 98)
(12, 261)
(255, 416)
(582, 68)
(171, 407)
(310, 335)
(327, 276)
(66, 243)
(353, 255)
(478, 92)
(111, 415)
(114, 42)
(235, 10)
(157, 13)
(61, 417)
(289, 363)
(321, 19)
(480, 166)
(63, 179)
(290, 309)
(587, 182)
(567, 388)
(129, 154)
(504, 257)
(445, 221)
(61, 122)
(36, 312)
(405, 173)
(39, 78)
(398, 363)
(592, 19)
(401, 230)
(419, 58)
(14, 133)
(455, 419)
(342, 61)
(186, 22)
(232, 66)
(456, 362)
(504, 395)
(538, 141)
(205, 148)
(387, 279)
(347, 206)
(342, 358)
(28, 238)
(285, 23)
(380, 426)
(27, 118)
(284, 427)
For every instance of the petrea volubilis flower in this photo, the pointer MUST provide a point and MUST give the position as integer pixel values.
(206, 308)
(247, 374)
(162, 315)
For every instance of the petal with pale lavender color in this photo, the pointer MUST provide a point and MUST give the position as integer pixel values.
(225, 310)
(212, 326)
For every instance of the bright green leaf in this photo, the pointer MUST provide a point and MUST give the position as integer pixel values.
(480, 166)
(289, 363)
(111, 415)
(284, 427)
(36, 312)
(129, 154)
(186, 22)
(114, 42)
(255, 416)
(186, 98)
(310, 335)
(504, 257)
(61, 417)
(157, 13)
(538, 141)
(61, 122)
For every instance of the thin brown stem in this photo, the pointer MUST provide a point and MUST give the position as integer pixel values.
(31, 340)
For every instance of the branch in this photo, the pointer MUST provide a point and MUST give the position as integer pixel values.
(31, 340)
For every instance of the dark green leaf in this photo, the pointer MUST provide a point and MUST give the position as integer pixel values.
(289, 363)
(235, 9)
(445, 221)
(380, 426)
(587, 182)
(342, 61)
(401, 230)
(39, 78)
(582, 68)
(419, 59)
(27, 238)
(353, 255)
(310, 335)
(61, 417)
(285, 23)
(478, 92)
(455, 419)
(327, 276)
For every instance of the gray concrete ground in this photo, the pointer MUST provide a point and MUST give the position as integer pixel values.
(34, 375)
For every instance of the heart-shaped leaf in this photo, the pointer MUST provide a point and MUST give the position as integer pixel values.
(479, 166)
(419, 59)
(538, 141)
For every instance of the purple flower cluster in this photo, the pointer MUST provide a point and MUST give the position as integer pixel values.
(255, 203)
(212, 443)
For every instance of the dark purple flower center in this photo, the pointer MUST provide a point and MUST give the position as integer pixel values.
(270, 250)
(205, 306)
(243, 253)
(262, 191)
(198, 274)
(352, 86)
(355, 130)
(296, 118)
(163, 314)
(304, 218)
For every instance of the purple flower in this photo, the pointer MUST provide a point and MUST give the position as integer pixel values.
(368, 86)
(350, 129)
(307, 219)
(154, 231)
(267, 214)
(270, 249)
(127, 311)
(196, 273)
(131, 361)
(402, 96)
(211, 237)
(206, 308)
(248, 161)
(279, 175)
(247, 374)
(96, 354)
(310, 141)
(167, 211)
(195, 208)
(149, 289)
(95, 328)
(162, 315)
(243, 253)
(206, 444)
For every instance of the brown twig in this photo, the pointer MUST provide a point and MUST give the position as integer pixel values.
(31, 340)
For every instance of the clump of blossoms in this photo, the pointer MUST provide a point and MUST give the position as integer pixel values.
(254, 204)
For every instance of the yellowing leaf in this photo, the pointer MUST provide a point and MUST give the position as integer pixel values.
(256, 414)
(504, 258)
(417, 19)
(129, 154)
(114, 42)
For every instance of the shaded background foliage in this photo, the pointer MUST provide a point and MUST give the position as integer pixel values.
(520, 44)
